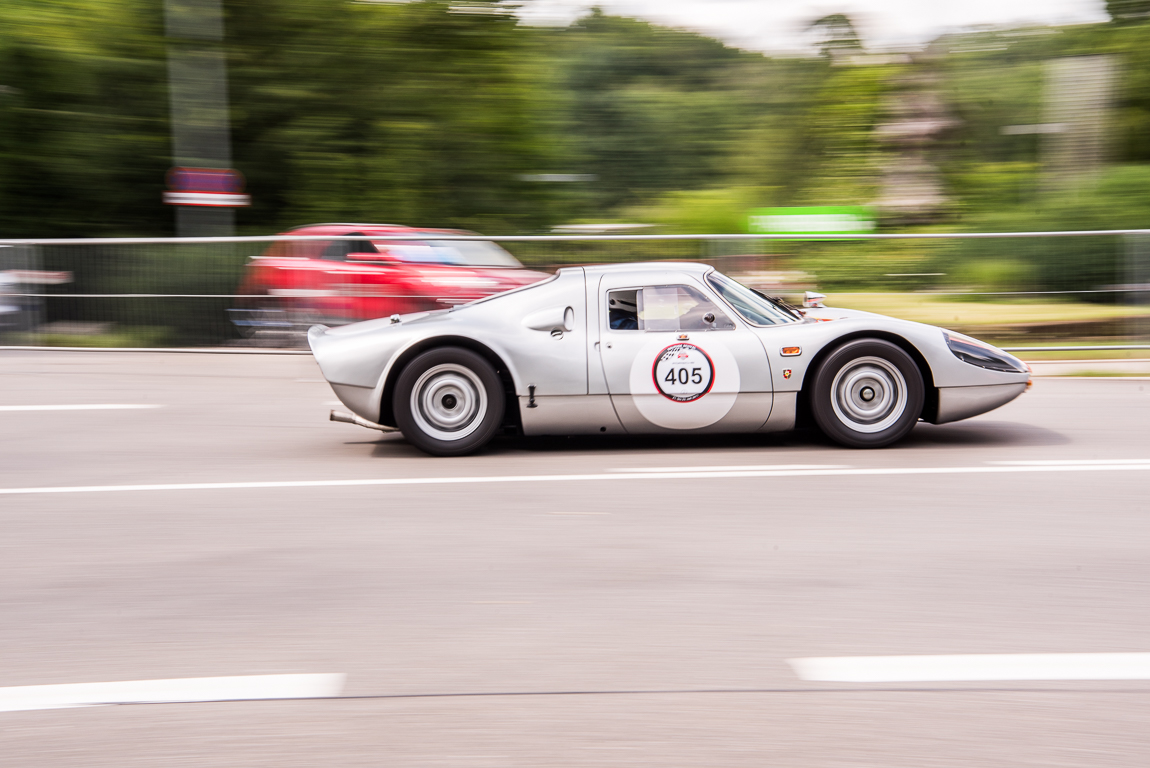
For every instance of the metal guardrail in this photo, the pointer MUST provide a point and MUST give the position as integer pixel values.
(571, 238)
(169, 292)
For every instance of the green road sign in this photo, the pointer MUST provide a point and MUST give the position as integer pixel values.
(812, 220)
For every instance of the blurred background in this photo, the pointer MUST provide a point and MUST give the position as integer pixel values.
(552, 117)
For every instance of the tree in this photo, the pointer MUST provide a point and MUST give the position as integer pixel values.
(836, 34)
(415, 113)
(1125, 11)
(83, 118)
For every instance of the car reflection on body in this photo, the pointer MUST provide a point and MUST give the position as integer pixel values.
(654, 348)
(297, 283)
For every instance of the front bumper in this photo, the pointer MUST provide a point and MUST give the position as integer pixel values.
(956, 403)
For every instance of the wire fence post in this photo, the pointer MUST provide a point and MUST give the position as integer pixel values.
(21, 315)
(1137, 279)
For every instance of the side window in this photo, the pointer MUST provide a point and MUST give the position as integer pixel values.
(623, 310)
(664, 308)
(339, 250)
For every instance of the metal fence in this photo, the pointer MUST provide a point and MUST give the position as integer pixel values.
(1016, 287)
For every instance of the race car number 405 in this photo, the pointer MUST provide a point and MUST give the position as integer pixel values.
(683, 373)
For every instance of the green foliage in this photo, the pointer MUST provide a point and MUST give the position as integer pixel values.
(839, 155)
(703, 211)
(649, 110)
(417, 113)
(1132, 134)
(837, 35)
(407, 113)
(1002, 274)
(1128, 10)
(83, 131)
(1120, 199)
(121, 337)
(995, 186)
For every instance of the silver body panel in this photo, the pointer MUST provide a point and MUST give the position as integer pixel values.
(956, 403)
(784, 409)
(569, 415)
(554, 342)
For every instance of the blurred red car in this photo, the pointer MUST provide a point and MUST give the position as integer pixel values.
(335, 281)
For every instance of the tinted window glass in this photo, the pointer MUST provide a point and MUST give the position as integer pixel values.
(462, 253)
(664, 308)
(623, 310)
(339, 250)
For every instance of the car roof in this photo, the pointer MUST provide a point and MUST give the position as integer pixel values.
(691, 267)
(341, 228)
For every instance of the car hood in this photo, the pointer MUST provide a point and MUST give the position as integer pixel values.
(826, 314)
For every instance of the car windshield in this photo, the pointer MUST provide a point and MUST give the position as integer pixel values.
(755, 308)
(462, 253)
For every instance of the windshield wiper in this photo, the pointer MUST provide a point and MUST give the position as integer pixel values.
(781, 303)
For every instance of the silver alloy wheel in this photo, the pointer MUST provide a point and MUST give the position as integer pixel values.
(869, 394)
(448, 402)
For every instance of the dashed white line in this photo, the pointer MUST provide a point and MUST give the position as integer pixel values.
(974, 667)
(1067, 462)
(596, 477)
(734, 468)
(84, 407)
(179, 690)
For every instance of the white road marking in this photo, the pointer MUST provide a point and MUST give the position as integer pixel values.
(93, 407)
(597, 477)
(180, 690)
(974, 668)
(1068, 462)
(733, 468)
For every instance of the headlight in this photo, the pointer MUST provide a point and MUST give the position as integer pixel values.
(973, 351)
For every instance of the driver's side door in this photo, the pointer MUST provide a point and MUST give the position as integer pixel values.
(675, 358)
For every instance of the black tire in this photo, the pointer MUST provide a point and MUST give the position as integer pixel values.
(867, 394)
(448, 402)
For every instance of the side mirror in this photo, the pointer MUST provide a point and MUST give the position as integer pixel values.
(813, 300)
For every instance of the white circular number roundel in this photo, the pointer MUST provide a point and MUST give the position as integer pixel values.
(685, 385)
(683, 373)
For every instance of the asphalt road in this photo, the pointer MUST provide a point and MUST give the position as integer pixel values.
(641, 618)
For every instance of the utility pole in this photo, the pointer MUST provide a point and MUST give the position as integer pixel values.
(202, 185)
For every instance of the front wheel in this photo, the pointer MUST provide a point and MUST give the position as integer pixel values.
(867, 394)
(448, 401)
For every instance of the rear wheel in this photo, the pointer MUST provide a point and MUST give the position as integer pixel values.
(448, 401)
(867, 394)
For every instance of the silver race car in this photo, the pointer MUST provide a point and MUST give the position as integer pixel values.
(654, 348)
